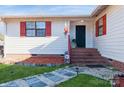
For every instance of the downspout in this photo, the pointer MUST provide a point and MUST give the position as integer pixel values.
(5, 38)
(4, 35)
(69, 41)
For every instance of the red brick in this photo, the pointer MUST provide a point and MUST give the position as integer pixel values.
(41, 59)
(118, 65)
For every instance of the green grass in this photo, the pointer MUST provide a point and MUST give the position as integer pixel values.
(1, 37)
(84, 80)
(12, 72)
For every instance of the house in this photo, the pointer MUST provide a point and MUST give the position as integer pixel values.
(45, 39)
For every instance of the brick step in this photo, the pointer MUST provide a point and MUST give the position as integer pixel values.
(85, 54)
(84, 50)
(85, 57)
(88, 60)
(92, 60)
(90, 63)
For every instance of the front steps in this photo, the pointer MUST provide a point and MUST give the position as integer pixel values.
(87, 56)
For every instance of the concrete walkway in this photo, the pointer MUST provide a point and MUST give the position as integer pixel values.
(56, 77)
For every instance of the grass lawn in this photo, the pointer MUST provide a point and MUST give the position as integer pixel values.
(12, 72)
(84, 80)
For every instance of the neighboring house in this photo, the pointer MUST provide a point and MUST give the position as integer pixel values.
(2, 31)
(1, 45)
(41, 36)
(1, 37)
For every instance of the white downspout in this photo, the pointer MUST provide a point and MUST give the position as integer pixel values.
(5, 36)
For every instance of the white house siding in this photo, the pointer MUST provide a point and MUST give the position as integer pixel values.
(89, 31)
(2, 27)
(55, 44)
(111, 45)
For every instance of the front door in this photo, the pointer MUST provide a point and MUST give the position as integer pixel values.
(80, 36)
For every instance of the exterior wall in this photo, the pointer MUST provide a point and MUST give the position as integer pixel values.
(89, 32)
(55, 44)
(111, 45)
(2, 32)
(2, 27)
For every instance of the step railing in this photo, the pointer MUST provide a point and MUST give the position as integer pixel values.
(69, 46)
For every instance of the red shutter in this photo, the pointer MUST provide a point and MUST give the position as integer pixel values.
(22, 28)
(97, 28)
(48, 28)
(104, 25)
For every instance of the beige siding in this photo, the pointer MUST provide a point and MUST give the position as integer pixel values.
(112, 44)
(2, 27)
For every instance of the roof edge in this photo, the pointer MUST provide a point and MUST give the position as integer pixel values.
(98, 10)
(46, 16)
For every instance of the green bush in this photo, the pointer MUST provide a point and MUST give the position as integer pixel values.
(1, 37)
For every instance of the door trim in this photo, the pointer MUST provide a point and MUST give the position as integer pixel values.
(84, 32)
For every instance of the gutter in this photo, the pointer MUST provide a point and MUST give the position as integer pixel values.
(98, 10)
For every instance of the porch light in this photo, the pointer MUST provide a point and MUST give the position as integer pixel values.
(65, 30)
(82, 21)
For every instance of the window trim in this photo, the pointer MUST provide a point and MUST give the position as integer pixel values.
(35, 29)
(102, 26)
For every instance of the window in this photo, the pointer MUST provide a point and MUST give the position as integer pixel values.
(30, 33)
(40, 29)
(100, 26)
(35, 29)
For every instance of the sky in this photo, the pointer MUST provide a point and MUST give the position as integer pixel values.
(46, 9)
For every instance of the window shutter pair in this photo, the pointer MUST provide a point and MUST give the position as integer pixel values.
(23, 28)
(104, 26)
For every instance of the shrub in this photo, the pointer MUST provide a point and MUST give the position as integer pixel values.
(1, 37)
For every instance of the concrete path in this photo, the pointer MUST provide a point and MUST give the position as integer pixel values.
(56, 77)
